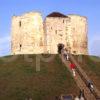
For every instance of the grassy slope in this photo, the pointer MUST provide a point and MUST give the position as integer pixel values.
(91, 65)
(19, 80)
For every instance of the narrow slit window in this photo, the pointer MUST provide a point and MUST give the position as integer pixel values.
(63, 21)
(56, 31)
(20, 24)
(20, 47)
(41, 43)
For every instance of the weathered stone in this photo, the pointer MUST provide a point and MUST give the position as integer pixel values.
(78, 34)
(31, 36)
(70, 30)
(27, 34)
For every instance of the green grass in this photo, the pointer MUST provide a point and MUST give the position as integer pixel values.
(19, 79)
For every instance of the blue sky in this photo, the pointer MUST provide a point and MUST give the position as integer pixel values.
(88, 8)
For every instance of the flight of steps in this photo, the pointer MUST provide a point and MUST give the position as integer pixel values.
(78, 79)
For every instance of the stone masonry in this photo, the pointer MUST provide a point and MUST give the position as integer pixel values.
(55, 31)
(30, 35)
(78, 34)
(27, 34)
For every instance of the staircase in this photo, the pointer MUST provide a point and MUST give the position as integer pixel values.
(81, 79)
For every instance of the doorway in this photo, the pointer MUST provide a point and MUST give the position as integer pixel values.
(60, 47)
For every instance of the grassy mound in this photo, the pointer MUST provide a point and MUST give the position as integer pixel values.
(20, 80)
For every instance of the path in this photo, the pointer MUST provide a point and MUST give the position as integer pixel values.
(79, 80)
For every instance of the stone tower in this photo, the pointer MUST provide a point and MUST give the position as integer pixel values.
(78, 34)
(70, 30)
(55, 31)
(27, 34)
(30, 35)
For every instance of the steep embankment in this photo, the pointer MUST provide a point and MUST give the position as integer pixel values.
(91, 65)
(19, 79)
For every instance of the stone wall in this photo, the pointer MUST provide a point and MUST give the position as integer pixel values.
(71, 31)
(78, 34)
(30, 35)
(27, 34)
(55, 32)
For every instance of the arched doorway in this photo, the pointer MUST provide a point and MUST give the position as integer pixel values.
(60, 47)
